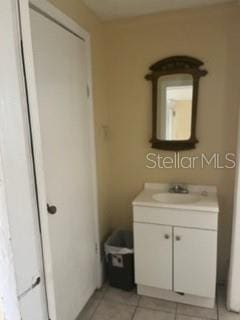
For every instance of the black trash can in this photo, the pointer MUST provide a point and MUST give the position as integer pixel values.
(120, 261)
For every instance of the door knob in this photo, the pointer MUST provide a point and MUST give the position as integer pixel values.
(166, 236)
(178, 238)
(51, 209)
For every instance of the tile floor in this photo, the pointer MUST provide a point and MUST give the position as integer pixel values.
(112, 304)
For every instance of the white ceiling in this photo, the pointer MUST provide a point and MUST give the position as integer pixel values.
(112, 9)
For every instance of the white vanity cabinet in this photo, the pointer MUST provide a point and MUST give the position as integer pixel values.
(176, 251)
(194, 268)
(153, 255)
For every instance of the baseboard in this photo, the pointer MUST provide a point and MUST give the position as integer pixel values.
(173, 296)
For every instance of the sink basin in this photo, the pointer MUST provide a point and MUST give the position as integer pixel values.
(176, 198)
(200, 198)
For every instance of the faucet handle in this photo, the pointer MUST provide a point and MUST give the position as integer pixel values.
(178, 188)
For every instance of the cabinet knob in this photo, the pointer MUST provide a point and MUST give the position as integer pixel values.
(178, 238)
(166, 236)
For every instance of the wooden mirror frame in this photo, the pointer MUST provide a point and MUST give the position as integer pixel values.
(170, 66)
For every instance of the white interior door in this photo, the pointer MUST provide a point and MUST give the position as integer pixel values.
(195, 261)
(61, 73)
(153, 255)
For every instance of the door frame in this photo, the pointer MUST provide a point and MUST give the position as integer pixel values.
(50, 11)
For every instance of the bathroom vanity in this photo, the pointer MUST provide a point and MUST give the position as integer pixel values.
(175, 242)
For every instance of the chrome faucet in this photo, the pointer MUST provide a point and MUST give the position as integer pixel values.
(178, 188)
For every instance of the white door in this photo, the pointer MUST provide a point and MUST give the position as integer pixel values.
(195, 261)
(153, 255)
(61, 73)
(23, 254)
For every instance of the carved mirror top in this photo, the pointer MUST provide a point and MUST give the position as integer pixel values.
(177, 64)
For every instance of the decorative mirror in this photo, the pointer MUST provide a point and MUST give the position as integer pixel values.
(175, 82)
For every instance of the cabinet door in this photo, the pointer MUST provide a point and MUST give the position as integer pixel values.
(153, 255)
(195, 254)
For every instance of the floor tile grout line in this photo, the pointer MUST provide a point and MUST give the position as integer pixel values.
(95, 310)
(104, 293)
(155, 309)
(176, 311)
(217, 303)
(195, 317)
(115, 301)
(105, 289)
(177, 308)
(121, 303)
(139, 300)
(175, 315)
(134, 313)
(198, 317)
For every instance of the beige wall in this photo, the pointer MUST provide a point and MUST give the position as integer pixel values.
(212, 35)
(122, 52)
(83, 16)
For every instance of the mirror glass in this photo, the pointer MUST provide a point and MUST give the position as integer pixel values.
(174, 107)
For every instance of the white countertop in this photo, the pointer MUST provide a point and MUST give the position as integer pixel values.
(208, 200)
